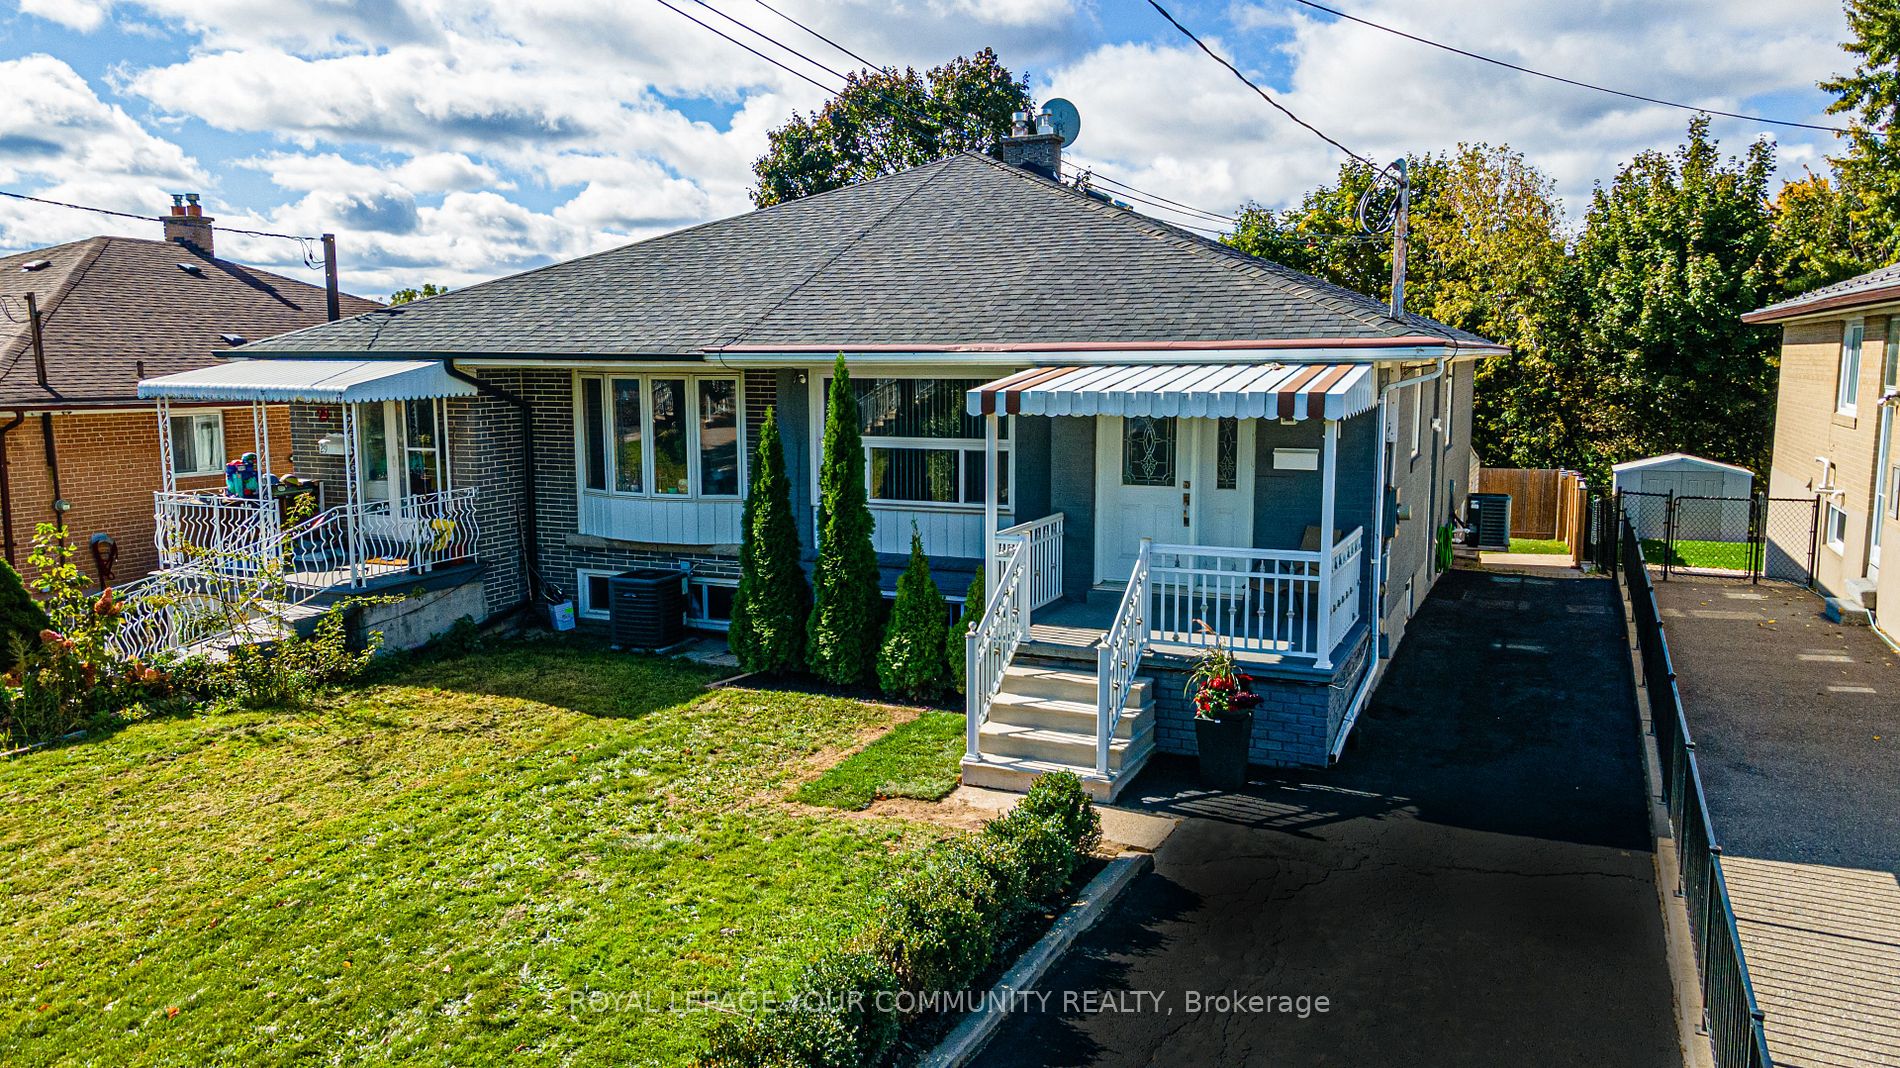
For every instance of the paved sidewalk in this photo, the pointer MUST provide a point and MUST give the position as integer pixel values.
(1472, 885)
(1797, 728)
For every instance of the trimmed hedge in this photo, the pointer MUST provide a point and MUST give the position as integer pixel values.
(940, 926)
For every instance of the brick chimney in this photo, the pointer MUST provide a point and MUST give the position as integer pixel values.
(188, 224)
(1034, 145)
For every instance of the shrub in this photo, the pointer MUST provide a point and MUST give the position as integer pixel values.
(910, 663)
(289, 673)
(773, 603)
(1060, 798)
(841, 638)
(21, 617)
(842, 1015)
(953, 643)
(932, 927)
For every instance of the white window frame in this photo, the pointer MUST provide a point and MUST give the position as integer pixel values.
(1005, 448)
(698, 600)
(1890, 358)
(1835, 531)
(648, 491)
(1847, 384)
(584, 606)
(192, 420)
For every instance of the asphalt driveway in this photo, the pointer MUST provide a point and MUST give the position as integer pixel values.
(1795, 721)
(1472, 885)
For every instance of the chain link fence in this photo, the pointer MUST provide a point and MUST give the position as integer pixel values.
(1743, 537)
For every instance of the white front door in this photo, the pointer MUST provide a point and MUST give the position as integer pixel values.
(1177, 481)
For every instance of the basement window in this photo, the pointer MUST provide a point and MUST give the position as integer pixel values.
(1836, 529)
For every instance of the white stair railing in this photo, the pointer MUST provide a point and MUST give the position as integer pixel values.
(993, 639)
(1044, 540)
(1344, 611)
(1118, 659)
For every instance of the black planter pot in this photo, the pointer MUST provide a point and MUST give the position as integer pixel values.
(1222, 747)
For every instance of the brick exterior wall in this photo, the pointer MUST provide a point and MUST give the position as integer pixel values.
(1807, 425)
(108, 470)
(1293, 726)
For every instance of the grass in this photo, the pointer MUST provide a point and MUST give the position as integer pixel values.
(1722, 555)
(1541, 546)
(526, 855)
(920, 759)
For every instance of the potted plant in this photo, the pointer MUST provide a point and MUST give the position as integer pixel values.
(1223, 717)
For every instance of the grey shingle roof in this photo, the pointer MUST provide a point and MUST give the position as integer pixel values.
(111, 306)
(963, 251)
(1873, 287)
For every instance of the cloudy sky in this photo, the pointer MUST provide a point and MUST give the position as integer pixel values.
(449, 141)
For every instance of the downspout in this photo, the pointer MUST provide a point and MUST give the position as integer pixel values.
(1378, 556)
(530, 534)
(6, 488)
(52, 468)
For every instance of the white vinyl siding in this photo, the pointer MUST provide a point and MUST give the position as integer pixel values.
(1847, 387)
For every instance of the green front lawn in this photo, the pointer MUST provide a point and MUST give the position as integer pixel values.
(1723, 555)
(1541, 546)
(920, 759)
(515, 856)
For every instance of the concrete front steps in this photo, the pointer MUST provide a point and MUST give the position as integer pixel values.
(1043, 720)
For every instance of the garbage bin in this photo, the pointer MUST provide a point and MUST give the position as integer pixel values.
(646, 608)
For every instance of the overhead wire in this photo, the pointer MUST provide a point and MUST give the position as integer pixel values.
(151, 218)
(1521, 69)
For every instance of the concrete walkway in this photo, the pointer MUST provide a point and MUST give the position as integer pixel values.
(1797, 729)
(1471, 885)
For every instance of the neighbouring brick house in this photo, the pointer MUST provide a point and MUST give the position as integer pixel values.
(1099, 408)
(78, 443)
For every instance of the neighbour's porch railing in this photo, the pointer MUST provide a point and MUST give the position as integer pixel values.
(1044, 540)
(992, 640)
(1118, 658)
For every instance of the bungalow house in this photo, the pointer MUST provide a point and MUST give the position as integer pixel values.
(83, 323)
(1133, 427)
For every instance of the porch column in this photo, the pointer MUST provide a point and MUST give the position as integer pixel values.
(351, 519)
(989, 505)
(1328, 491)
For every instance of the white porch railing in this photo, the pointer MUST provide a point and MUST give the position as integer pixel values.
(1044, 540)
(1347, 555)
(992, 640)
(231, 569)
(1118, 658)
(1255, 600)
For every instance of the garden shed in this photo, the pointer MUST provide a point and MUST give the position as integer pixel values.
(1681, 475)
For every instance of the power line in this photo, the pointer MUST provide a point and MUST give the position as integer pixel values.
(1558, 77)
(1281, 108)
(714, 30)
(149, 218)
(818, 35)
(1137, 193)
(841, 76)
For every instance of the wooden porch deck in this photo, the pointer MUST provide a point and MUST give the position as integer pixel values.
(1823, 950)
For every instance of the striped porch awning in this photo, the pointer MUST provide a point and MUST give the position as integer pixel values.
(1245, 391)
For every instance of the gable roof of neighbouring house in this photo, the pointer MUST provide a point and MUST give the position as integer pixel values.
(965, 251)
(113, 307)
(1874, 287)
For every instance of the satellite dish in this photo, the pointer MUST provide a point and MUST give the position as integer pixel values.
(1065, 119)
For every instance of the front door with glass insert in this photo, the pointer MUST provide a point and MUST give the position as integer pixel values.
(399, 452)
(1177, 481)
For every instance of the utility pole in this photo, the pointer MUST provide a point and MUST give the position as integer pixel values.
(1400, 223)
(329, 278)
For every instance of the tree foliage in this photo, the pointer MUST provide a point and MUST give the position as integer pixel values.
(886, 121)
(410, 294)
(911, 661)
(1673, 252)
(21, 617)
(841, 639)
(1870, 96)
(954, 651)
(1816, 238)
(773, 602)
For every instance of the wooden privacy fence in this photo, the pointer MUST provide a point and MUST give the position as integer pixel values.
(1546, 502)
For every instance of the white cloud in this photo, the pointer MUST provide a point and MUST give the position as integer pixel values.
(82, 15)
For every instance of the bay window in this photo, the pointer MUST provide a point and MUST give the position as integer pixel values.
(659, 435)
(921, 446)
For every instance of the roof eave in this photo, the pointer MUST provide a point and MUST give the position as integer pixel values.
(1781, 313)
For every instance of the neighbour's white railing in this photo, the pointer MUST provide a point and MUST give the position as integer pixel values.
(1347, 556)
(1044, 539)
(992, 640)
(1256, 600)
(231, 573)
(1118, 658)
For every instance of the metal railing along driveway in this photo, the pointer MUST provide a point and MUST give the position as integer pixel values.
(1733, 1019)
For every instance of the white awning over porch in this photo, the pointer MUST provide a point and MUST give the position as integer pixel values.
(311, 381)
(1245, 391)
